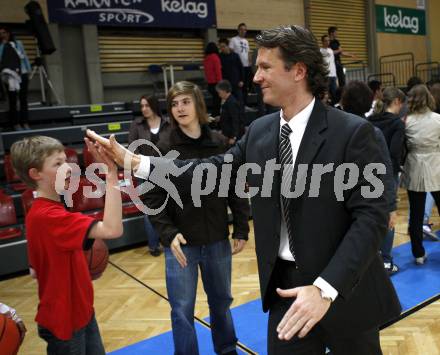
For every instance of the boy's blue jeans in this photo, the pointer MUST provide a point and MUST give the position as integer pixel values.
(86, 341)
(214, 261)
(153, 237)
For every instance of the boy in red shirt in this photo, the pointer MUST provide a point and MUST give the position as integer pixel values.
(57, 239)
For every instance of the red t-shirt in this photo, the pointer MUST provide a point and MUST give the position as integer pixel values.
(56, 240)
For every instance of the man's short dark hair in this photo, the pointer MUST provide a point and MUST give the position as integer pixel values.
(374, 85)
(241, 24)
(322, 37)
(224, 40)
(298, 45)
(224, 85)
(332, 29)
(357, 98)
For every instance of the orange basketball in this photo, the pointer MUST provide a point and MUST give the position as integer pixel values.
(97, 258)
(9, 336)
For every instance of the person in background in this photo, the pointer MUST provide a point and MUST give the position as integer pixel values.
(386, 118)
(196, 237)
(338, 52)
(213, 74)
(329, 59)
(376, 87)
(15, 68)
(152, 127)
(240, 45)
(231, 117)
(412, 81)
(12, 313)
(232, 69)
(421, 171)
(356, 99)
(427, 225)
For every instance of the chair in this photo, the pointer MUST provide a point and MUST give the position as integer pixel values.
(91, 206)
(8, 218)
(71, 155)
(11, 177)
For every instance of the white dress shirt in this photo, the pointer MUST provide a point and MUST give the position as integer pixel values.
(298, 125)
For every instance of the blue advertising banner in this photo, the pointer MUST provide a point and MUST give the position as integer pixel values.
(149, 13)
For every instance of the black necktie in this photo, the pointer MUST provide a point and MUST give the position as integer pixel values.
(286, 160)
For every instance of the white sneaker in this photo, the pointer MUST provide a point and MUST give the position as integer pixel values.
(421, 260)
(427, 232)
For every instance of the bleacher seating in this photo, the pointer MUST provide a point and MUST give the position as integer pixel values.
(27, 197)
(91, 206)
(8, 218)
(11, 177)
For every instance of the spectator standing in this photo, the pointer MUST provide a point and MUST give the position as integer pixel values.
(376, 87)
(231, 118)
(15, 68)
(240, 45)
(232, 69)
(421, 172)
(152, 127)
(387, 120)
(329, 59)
(213, 74)
(196, 237)
(338, 51)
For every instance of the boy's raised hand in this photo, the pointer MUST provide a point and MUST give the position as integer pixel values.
(100, 155)
(112, 148)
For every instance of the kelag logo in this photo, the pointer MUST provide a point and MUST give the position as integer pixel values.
(149, 13)
(400, 20)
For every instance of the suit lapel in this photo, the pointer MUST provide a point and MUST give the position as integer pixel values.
(312, 139)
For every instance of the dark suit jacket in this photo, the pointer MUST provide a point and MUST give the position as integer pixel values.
(231, 121)
(336, 240)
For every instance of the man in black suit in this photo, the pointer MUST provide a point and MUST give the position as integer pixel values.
(231, 117)
(321, 276)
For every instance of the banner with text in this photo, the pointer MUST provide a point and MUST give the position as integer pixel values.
(150, 13)
(400, 20)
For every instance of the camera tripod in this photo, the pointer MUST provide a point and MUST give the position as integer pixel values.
(44, 78)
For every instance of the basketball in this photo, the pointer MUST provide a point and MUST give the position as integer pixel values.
(9, 336)
(97, 258)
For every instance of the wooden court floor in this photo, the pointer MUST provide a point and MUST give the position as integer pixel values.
(131, 305)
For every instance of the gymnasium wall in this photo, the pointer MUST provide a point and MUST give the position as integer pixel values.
(434, 28)
(259, 14)
(12, 11)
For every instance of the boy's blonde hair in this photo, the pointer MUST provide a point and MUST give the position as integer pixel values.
(31, 152)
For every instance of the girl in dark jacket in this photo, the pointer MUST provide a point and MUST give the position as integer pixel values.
(197, 237)
(151, 127)
(387, 120)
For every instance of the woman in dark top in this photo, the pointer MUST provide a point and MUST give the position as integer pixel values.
(196, 236)
(387, 120)
(213, 74)
(151, 127)
(357, 99)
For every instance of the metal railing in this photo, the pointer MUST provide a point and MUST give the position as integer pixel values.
(387, 79)
(401, 65)
(428, 71)
(355, 71)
